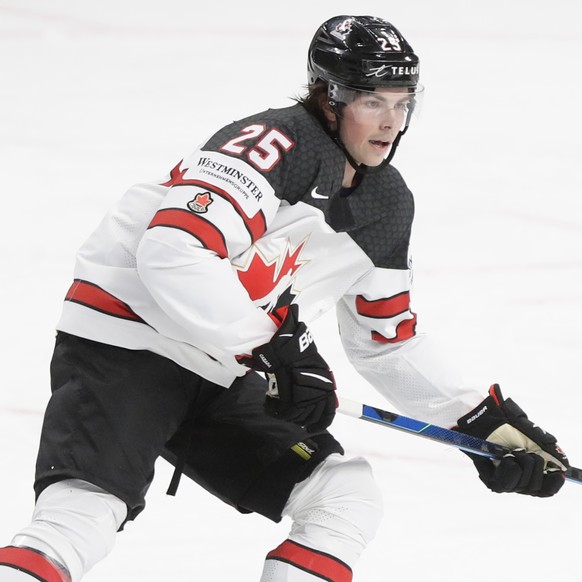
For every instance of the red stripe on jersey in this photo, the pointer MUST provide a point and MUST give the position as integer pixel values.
(388, 307)
(90, 295)
(256, 226)
(317, 563)
(208, 234)
(32, 563)
(404, 330)
(176, 176)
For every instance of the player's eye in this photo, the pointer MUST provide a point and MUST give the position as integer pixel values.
(372, 103)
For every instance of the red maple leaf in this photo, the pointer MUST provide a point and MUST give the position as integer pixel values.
(203, 199)
(260, 278)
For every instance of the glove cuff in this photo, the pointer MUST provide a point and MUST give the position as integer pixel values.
(290, 344)
(265, 359)
(486, 417)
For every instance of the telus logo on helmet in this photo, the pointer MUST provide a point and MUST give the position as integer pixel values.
(391, 70)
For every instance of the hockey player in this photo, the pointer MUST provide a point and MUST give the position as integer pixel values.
(182, 333)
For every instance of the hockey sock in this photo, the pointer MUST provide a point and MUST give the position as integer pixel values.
(337, 509)
(26, 565)
(336, 512)
(74, 523)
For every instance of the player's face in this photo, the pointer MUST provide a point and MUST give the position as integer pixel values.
(370, 123)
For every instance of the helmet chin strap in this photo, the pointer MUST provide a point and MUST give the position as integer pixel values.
(362, 169)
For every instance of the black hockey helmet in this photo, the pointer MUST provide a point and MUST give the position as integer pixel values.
(362, 52)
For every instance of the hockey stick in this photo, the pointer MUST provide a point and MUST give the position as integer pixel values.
(434, 433)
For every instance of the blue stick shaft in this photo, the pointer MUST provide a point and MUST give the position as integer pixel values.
(434, 433)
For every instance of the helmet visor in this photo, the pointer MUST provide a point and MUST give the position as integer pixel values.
(400, 102)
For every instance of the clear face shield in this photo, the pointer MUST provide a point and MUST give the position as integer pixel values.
(383, 114)
(374, 105)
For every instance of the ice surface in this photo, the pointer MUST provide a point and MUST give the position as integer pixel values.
(96, 96)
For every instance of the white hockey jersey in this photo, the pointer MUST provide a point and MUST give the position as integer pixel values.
(255, 219)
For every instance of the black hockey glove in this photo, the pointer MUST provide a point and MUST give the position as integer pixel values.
(301, 385)
(536, 465)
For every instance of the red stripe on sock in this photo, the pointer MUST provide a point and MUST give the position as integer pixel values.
(317, 563)
(32, 563)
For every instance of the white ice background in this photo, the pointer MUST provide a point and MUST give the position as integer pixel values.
(96, 96)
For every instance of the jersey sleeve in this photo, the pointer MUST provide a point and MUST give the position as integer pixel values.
(378, 332)
(219, 202)
(378, 326)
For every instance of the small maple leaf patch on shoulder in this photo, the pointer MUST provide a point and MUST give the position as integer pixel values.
(200, 202)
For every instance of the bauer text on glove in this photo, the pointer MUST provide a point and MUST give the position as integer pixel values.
(301, 385)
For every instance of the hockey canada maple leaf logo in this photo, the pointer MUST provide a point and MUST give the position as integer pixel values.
(343, 27)
(200, 202)
(268, 280)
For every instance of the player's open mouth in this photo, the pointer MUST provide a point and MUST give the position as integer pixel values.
(380, 144)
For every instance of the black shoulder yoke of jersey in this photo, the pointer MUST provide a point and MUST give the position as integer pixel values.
(313, 161)
(378, 215)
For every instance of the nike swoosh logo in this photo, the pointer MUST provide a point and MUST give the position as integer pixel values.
(314, 194)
